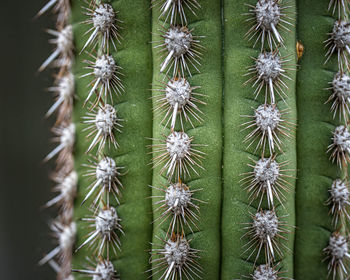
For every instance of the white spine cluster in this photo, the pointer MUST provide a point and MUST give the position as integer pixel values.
(339, 148)
(65, 136)
(177, 101)
(269, 72)
(182, 50)
(103, 124)
(264, 272)
(339, 201)
(178, 145)
(176, 259)
(337, 252)
(104, 26)
(268, 127)
(66, 179)
(106, 78)
(67, 187)
(64, 91)
(65, 235)
(178, 197)
(104, 271)
(177, 203)
(266, 182)
(64, 48)
(106, 174)
(268, 16)
(265, 225)
(177, 155)
(106, 224)
(339, 43)
(340, 96)
(100, 270)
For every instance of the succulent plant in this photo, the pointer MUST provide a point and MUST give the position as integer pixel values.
(197, 140)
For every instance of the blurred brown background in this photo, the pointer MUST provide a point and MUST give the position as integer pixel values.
(24, 141)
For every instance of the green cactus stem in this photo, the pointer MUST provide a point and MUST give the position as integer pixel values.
(201, 139)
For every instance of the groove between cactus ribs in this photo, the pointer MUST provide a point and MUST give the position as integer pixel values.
(224, 76)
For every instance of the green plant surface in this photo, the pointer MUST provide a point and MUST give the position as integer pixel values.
(135, 108)
(207, 23)
(315, 126)
(238, 101)
(226, 207)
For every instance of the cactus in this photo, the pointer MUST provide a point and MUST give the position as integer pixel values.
(197, 140)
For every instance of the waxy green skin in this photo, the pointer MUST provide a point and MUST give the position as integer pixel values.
(238, 101)
(227, 208)
(209, 133)
(316, 123)
(134, 106)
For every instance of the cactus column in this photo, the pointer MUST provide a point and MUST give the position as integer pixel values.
(317, 174)
(133, 106)
(239, 206)
(205, 178)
